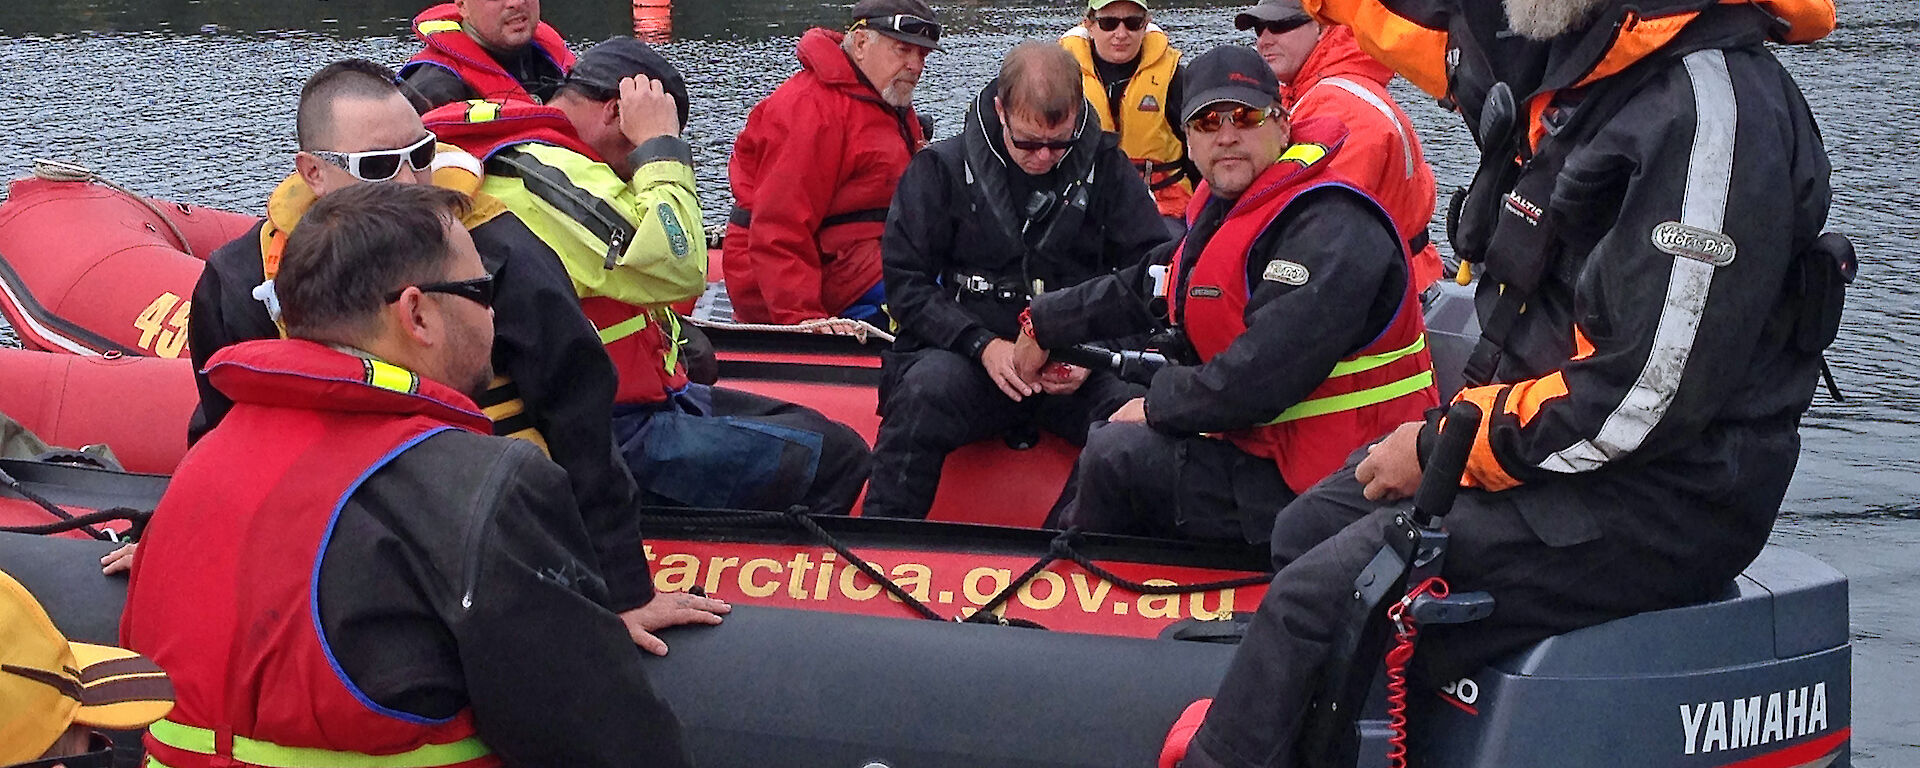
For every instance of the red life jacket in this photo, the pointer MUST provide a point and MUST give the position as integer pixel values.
(448, 46)
(642, 343)
(224, 593)
(1382, 385)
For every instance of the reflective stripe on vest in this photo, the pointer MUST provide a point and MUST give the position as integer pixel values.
(1321, 406)
(386, 375)
(623, 329)
(1373, 100)
(438, 26)
(187, 738)
(638, 323)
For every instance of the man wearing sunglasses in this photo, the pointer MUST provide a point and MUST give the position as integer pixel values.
(603, 177)
(1323, 73)
(486, 49)
(1132, 77)
(814, 168)
(1031, 197)
(555, 385)
(352, 570)
(1294, 294)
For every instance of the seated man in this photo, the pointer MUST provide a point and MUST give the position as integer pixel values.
(603, 177)
(1132, 76)
(351, 566)
(1031, 197)
(55, 693)
(555, 385)
(816, 164)
(1292, 289)
(1323, 73)
(1642, 415)
(486, 49)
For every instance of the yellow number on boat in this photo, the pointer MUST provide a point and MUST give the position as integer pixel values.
(160, 333)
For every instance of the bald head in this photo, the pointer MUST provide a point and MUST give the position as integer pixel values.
(1041, 80)
(317, 123)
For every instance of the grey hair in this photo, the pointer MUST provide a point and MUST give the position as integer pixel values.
(846, 43)
(1548, 19)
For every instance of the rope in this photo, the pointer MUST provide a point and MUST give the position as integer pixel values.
(8, 481)
(1405, 632)
(137, 517)
(843, 326)
(54, 170)
(1062, 548)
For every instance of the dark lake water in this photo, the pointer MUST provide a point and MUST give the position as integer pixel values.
(193, 100)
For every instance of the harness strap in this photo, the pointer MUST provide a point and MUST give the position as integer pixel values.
(187, 738)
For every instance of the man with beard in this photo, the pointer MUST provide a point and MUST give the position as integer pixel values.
(1131, 75)
(1642, 413)
(1293, 292)
(1323, 73)
(555, 386)
(486, 49)
(351, 570)
(1031, 197)
(816, 164)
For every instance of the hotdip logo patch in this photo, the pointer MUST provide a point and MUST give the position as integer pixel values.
(1285, 272)
(1718, 726)
(1694, 243)
(1204, 292)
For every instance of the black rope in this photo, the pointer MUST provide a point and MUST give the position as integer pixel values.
(800, 517)
(16, 486)
(1062, 547)
(81, 522)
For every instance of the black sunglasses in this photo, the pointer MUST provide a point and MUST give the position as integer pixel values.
(905, 24)
(1277, 27)
(1109, 23)
(478, 290)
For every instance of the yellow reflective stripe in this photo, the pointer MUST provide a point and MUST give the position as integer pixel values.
(482, 111)
(623, 329)
(264, 753)
(152, 763)
(1322, 406)
(389, 376)
(674, 340)
(1304, 154)
(185, 738)
(438, 26)
(1370, 362)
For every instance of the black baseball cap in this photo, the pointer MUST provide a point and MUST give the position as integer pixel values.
(1276, 11)
(1229, 73)
(908, 21)
(603, 66)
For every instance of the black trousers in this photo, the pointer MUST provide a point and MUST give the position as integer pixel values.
(1556, 557)
(1131, 479)
(719, 447)
(936, 401)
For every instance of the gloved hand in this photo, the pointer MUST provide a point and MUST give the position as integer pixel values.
(1175, 748)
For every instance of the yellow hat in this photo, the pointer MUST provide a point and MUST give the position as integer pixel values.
(48, 684)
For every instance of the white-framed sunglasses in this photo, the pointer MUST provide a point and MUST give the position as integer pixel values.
(382, 164)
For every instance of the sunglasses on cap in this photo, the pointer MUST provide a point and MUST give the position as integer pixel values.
(903, 23)
(1243, 117)
(383, 164)
(478, 290)
(1277, 27)
(1110, 23)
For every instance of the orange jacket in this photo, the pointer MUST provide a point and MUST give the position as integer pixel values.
(1382, 153)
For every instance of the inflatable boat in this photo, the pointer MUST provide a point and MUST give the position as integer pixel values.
(970, 639)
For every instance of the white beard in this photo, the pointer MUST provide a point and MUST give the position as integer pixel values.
(1548, 19)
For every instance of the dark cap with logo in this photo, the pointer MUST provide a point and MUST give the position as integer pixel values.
(1229, 73)
(603, 66)
(908, 21)
(1277, 11)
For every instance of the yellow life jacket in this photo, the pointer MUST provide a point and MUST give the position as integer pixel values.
(1144, 133)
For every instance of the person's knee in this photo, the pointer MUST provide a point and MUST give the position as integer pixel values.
(1113, 452)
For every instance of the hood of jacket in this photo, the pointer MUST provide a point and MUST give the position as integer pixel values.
(988, 164)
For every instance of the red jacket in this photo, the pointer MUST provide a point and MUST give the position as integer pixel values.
(449, 47)
(822, 145)
(1378, 387)
(1382, 153)
(224, 595)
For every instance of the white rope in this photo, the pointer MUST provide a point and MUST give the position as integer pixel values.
(55, 170)
(839, 326)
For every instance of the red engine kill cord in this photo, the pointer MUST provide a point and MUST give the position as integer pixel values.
(1405, 631)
